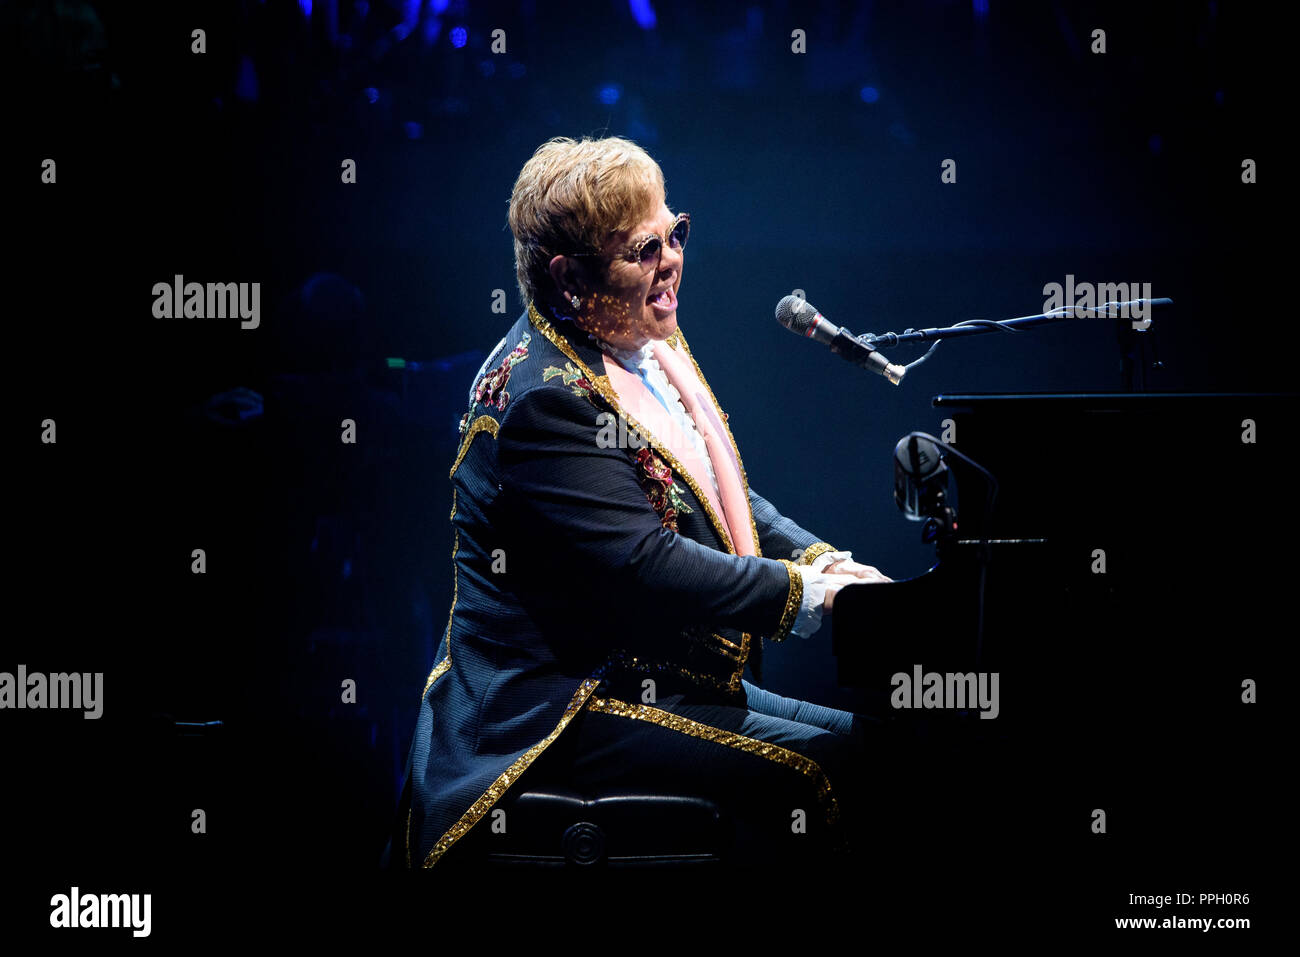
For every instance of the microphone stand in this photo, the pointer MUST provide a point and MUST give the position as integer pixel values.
(941, 521)
(978, 327)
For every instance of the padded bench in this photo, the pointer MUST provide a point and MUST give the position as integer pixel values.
(556, 827)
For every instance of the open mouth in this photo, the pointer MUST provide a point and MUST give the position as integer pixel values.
(665, 300)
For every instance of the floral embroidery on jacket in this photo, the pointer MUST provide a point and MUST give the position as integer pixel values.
(491, 389)
(574, 379)
(657, 480)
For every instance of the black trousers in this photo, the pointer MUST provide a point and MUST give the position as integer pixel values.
(789, 774)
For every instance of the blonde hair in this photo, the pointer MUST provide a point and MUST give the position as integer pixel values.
(572, 195)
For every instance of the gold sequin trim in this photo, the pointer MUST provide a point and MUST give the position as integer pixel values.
(727, 642)
(718, 645)
(675, 339)
(773, 752)
(484, 423)
(439, 670)
(739, 673)
(744, 477)
(602, 386)
(739, 653)
(441, 667)
(814, 551)
(499, 787)
(620, 660)
(455, 590)
(792, 601)
(726, 647)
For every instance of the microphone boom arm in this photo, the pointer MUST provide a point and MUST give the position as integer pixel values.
(978, 327)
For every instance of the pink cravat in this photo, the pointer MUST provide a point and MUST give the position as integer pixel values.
(638, 402)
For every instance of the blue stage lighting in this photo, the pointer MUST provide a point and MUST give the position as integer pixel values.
(642, 13)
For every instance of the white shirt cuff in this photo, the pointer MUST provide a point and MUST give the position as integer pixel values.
(809, 618)
(819, 563)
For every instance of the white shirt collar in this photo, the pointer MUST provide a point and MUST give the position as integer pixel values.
(625, 357)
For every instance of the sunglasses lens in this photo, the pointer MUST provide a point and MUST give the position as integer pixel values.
(679, 234)
(650, 250)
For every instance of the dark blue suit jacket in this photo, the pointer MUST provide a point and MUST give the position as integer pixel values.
(577, 566)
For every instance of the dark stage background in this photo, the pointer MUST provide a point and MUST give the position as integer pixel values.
(817, 171)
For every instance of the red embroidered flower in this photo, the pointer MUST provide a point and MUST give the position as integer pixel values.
(656, 479)
(574, 379)
(491, 389)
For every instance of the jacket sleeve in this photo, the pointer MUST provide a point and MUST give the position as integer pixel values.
(779, 537)
(589, 507)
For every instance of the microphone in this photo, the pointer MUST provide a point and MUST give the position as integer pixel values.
(920, 476)
(802, 318)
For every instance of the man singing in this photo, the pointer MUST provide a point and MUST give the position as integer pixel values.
(614, 573)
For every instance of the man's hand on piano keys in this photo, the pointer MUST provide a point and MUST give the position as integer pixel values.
(847, 572)
(848, 566)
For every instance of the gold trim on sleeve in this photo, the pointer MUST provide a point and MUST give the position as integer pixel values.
(484, 423)
(499, 787)
(793, 600)
(764, 749)
(815, 551)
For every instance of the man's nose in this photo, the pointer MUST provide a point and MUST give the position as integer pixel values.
(670, 260)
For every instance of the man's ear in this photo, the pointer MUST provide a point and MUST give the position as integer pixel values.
(567, 276)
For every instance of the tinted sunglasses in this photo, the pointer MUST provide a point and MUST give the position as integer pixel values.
(651, 248)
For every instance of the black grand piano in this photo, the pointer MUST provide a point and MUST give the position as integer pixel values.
(1134, 574)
